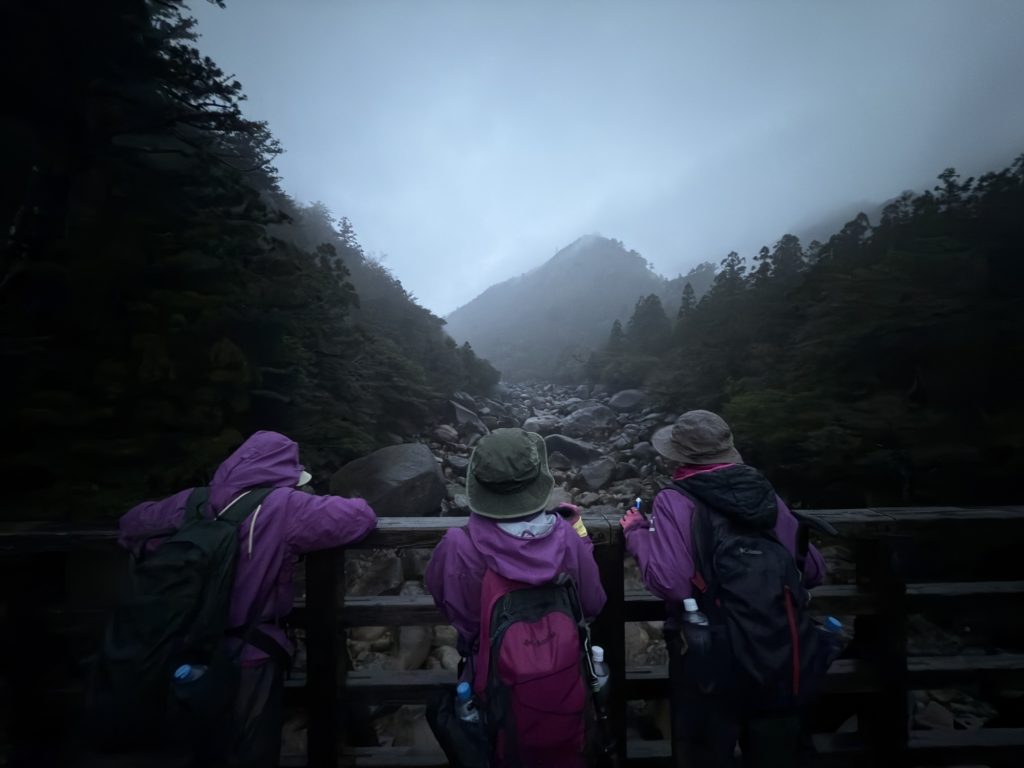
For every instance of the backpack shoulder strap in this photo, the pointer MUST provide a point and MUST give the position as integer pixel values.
(701, 539)
(243, 506)
(195, 503)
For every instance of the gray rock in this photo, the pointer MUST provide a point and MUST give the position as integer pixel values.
(588, 499)
(397, 481)
(448, 657)
(624, 471)
(465, 399)
(579, 405)
(622, 442)
(586, 422)
(628, 400)
(582, 391)
(414, 643)
(559, 495)
(414, 562)
(644, 452)
(468, 422)
(577, 451)
(372, 572)
(458, 464)
(446, 433)
(597, 474)
(558, 460)
(542, 425)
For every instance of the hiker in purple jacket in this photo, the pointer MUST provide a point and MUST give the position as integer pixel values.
(511, 533)
(289, 523)
(710, 471)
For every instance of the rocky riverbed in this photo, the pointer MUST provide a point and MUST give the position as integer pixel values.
(600, 454)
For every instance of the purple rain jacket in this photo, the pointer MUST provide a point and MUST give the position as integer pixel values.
(533, 552)
(663, 550)
(288, 523)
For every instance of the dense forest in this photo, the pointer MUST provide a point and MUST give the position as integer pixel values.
(882, 366)
(161, 296)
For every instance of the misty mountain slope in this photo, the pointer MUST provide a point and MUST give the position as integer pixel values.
(533, 325)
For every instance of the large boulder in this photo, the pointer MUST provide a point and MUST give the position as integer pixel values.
(628, 400)
(397, 481)
(467, 421)
(591, 421)
(597, 474)
(544, 424)
(577, 451)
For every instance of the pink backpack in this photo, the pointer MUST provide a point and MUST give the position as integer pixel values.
(529, 676)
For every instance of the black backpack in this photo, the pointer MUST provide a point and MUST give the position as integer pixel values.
(767, 652)
(177, 614)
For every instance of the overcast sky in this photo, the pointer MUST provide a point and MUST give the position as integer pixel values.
(468, 141)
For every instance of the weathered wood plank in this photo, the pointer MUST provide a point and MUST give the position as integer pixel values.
(382, 757)
(939, 671)
(391, 611)
(399, 532)
(991, 746)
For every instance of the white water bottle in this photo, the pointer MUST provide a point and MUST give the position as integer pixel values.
(465, 707)
(692, 614)
(601, 671)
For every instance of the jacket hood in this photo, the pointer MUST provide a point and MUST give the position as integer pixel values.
(267, 459)
(519, 553)
(737, 491)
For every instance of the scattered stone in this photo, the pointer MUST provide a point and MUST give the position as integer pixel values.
(628, 400)
(542, 425)
(457, 464)
(577, 451)
(559, 495)
(446, 433)
(597, 474)
(468, 422)
(559, 460)
(591, 421)
(372, 572)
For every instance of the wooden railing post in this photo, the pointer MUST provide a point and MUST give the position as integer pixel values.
(885, 721)
(608, 630)
(324, 570)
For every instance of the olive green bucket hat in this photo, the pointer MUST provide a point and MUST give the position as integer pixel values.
(508, 474)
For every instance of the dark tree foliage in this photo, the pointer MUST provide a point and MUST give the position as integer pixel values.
(881, 367)
(160, 297)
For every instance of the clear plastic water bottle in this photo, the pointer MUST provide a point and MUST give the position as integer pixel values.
(692, 614)
(465, 707)
(189, 673)
(697, 634)
(601, 672)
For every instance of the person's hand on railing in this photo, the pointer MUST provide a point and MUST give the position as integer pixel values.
(632, 519)
(574, 516)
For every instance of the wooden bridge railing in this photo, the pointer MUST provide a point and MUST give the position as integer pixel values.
(875, 684)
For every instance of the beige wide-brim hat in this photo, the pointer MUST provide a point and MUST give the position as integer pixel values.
(697, 438)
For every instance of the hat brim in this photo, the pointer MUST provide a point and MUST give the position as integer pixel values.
(662, 442)
(304, 479)
(526, 501)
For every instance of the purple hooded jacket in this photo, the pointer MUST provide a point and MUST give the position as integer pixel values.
(663, 548)
(288, 523)
(533, 552)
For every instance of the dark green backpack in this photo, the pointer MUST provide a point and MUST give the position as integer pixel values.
(177, 614)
